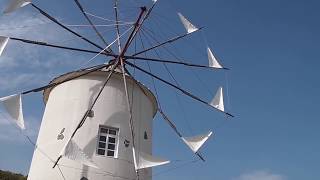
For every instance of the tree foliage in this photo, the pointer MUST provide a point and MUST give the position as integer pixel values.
(6, 175)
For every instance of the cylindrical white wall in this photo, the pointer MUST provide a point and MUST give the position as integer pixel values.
(65, 106)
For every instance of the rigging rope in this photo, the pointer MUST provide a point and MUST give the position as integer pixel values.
(176, 82)
(153, 81)
(192, 70)
(61, 172)
(98, 25)
(181, 61)
(92, 25)
(106, 47)
(159, 108)
(105, 19)
(64, 27)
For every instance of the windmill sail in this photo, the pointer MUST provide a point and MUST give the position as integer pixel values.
(196, 142)
(213, 62)
(3, 43)
(187, 24)
(73, 151)
(146, 161)
(13, 107)
(16, 4)
(217, 101)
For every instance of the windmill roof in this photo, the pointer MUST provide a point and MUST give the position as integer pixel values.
(117, 73)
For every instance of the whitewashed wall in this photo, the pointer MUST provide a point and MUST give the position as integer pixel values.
(64, 109)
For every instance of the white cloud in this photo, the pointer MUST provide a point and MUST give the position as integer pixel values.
(25, 65)
(260, 175)
(28, 26)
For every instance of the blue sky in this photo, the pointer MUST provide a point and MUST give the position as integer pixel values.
(271, 46)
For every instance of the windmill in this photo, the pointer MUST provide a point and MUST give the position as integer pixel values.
(89, 124)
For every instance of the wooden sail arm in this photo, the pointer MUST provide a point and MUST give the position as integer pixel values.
(178, 88)
(171, 62)
(92, 25)
(171, 40)
(66, 28)
(173, 126)
(146, 16)
(41, 43)
(115, 7)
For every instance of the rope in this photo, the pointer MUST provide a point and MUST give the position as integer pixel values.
(195, 74)
(106, 47)
(99, 25)
(191, 69)
(64, 27)
(176, 94)
(61, 172)
(105, 19)
(26, 26)
(92, 25)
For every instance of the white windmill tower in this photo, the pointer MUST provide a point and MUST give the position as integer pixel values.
(88, 128)
(104, 138)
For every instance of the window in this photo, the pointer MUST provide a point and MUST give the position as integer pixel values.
(108, 141)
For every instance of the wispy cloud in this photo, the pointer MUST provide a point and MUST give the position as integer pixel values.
(26, 64)
(260, 175)
(15, 80)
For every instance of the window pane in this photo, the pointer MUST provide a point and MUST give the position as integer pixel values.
(102, 145)
(112, 140)
(111, 146)
(103, 138)
(112, 131)
(103, 130)
(110, 153)
(107, 141)
(101, 151)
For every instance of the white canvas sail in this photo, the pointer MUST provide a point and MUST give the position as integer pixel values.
(3, 43)
(74, 152)
(213, 62)
(16, 4)
(146, 161)
(187, 24)
(13, 107)
(217, 101)
(196, 142)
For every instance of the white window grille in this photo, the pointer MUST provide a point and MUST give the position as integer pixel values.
(108, 141)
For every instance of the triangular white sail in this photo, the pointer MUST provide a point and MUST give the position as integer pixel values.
(213, 62)
(217, 101)
(146, 161)
(16, 4)
(187, 24)
(13, 106)
(196, 142)
(74, 152)
(3, 43)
